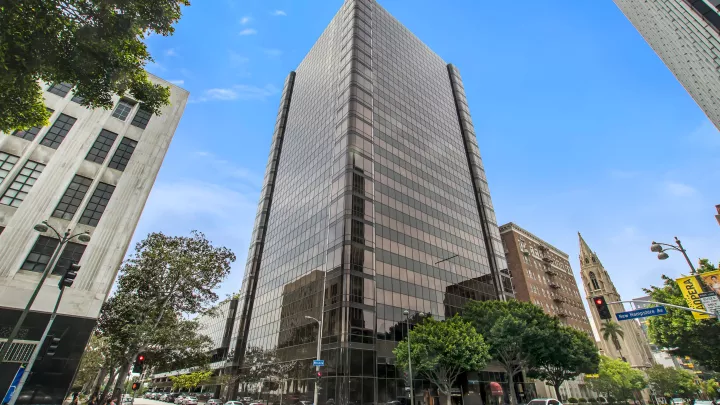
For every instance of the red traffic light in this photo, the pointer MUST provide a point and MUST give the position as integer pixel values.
(135, 386)
(319, 373)
(602, 307)
(141, 358)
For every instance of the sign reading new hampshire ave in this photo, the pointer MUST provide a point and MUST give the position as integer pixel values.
(318, 363)
(641, 313)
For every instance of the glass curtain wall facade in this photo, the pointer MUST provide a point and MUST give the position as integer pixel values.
(374, 178)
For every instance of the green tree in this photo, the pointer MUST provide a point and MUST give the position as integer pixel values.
(191, 380)
(671, 382)
(91, 363)
(96, 45)
(618, 379)
(710, 389)
(562, 354)
(679, 332)
(165, 279)
(613, 331)
(513, 329)
(441, 351)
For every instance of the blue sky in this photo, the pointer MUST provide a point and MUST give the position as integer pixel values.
(580, 125)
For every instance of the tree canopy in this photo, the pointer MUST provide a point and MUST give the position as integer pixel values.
(166, 279)
(513, 329)
(671, 382)
(561, 354)
(618, 379)
(95, 45)
(679, 332)
(190, 380)
(441, 351)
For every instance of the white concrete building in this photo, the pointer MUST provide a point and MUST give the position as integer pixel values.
(89, 170)
(685, 34)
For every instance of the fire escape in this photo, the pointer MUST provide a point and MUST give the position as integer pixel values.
(558, 298)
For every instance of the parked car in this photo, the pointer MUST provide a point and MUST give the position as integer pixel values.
(234, 403)
(179, 399)
(190, 401)
(170, 398)
(213, 401)
(678, 401)
(544, 401)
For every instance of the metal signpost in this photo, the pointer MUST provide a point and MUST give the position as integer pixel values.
(641, 313)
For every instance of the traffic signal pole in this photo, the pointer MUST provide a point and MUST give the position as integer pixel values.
(36, 352)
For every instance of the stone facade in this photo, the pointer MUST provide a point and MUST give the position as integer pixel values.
(634, 347)
(89, 170)
(685, 35)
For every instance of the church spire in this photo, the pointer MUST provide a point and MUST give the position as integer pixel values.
(586, 255)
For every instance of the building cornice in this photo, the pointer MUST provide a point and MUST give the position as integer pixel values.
(511, 226)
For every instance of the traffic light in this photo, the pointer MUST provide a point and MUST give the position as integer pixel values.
(49, 346)
(139, 362)
(602, 307)
(318, 376)
(135, 386)
(69, 277)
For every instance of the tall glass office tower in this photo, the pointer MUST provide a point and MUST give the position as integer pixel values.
(375, 201)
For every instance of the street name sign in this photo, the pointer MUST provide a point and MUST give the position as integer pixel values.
(710, 302)
(318, 363)
(641, 313)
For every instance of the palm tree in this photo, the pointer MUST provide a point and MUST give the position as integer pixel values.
(613, 330)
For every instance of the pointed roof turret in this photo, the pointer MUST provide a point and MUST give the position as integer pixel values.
(585, 252)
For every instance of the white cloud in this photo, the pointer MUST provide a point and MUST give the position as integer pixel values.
(705, 134)
(154, 67)
(279, 13)
(224, 214)
(177, 82)
(238, 59)
(228, 169)
(246, 19)
(272, 52)
(679, 189)
(170, 52)
(248, 31)
(238, 92)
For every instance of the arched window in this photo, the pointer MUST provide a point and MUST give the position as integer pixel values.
(594, 281)
(587, 260)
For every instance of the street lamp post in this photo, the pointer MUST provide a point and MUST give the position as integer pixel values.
(64, 239)
(410, 374)
(662, 248)
(317, 357)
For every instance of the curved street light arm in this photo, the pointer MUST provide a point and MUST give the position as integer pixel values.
(78, 234)
(53, 229)
(668, 246)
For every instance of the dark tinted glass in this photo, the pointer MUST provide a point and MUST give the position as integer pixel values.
(122, 155)
(101, 147)
(58, 131)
